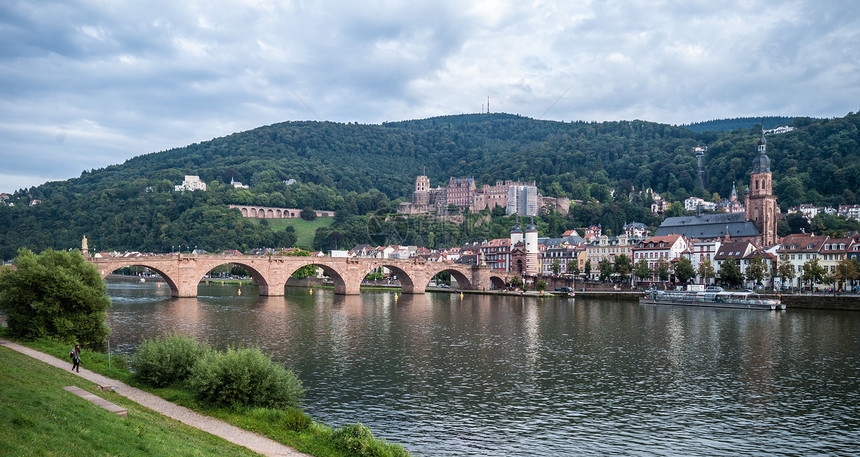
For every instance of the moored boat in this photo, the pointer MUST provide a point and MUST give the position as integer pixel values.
(743, 300)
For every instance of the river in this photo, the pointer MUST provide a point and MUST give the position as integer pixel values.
(475, 375)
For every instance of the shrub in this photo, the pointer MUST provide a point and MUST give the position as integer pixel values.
(55, 294)
(244, 378)
(358, 440)
(163, 361)
(290, 418)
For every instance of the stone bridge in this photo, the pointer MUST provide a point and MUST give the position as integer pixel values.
(183, 272)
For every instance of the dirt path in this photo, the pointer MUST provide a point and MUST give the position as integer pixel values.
(231, 433)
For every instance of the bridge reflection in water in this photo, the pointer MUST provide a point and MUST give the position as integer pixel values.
(183, 272)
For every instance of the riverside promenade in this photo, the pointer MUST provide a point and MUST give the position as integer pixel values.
(256, 443)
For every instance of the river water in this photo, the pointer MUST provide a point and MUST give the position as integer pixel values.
(475, 375)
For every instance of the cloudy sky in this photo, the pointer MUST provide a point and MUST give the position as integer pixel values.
(89, 83)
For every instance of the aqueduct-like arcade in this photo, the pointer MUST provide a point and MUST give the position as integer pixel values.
(184, 272)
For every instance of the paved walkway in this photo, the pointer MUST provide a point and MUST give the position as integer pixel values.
(231, 433)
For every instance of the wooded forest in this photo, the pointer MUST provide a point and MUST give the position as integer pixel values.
(364, 171)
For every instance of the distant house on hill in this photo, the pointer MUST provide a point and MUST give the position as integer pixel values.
(191, 183)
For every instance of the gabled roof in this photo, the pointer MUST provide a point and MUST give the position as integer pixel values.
(802, 242)
(737, 250)
(654, 242)
(709, 226)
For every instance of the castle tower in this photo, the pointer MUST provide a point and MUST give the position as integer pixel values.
(760, 202)
(421, 196)
(516, 233)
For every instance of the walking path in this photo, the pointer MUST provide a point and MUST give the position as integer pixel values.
(231, 433)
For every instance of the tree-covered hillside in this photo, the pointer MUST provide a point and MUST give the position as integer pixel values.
(746, 123)
(363, 171)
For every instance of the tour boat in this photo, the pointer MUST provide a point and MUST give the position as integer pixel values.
(743, 300)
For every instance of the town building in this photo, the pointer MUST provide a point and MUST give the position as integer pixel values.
(800, 248)
(667, 248)
(606, 248)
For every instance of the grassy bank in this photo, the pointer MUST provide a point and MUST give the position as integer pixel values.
(38, 417)
(318, 439)
(305, 230)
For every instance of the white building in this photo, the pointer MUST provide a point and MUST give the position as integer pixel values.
(692, 203)
(191, 183)
(522, 200)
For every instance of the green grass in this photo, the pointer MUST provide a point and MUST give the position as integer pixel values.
(305, 230)
(318, 439)
(38, 417)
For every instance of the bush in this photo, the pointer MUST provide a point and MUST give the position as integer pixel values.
(244, 378)
(308, 214)
(161, 362)
(358, 440)
(290, 418)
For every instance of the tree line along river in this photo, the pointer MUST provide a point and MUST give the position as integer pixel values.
(451, 375)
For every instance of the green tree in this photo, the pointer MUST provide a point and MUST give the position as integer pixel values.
(661, 268)
(623, 266)
(642, 271)
(308, 214)
(573, 267)
(684, 270)
(55, 294)
(730, 272)
(540, 285)
(516, 282)
(556, 267)
(706, 270)
(757, 270)
(605, 268)
(813, 273)
(588, 269)
(785, 269)
(845, 271)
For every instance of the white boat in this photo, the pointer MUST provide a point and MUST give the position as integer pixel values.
(743, 300)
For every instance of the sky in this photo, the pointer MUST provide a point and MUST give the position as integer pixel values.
(89, 83)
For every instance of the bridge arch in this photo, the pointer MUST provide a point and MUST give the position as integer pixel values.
(171, 282)
(256, 275)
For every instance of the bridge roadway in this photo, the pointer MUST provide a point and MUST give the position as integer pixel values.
(183, 272)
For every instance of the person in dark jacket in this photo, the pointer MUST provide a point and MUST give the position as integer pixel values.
(76, 358)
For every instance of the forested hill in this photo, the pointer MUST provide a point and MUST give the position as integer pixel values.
(360, 169)
(727, 125)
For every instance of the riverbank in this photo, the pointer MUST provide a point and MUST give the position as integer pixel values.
(257, 429)
(38, 417)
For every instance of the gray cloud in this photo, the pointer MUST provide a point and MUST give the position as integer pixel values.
(87, 84)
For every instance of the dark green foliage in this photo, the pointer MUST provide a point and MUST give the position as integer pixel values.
(364, 171)
(289, 418)
(358, 441)
(730, 272)
(163, 361)
(244, 377)
(308, 213)
(684, 270)
(55, 294)
(747, 123)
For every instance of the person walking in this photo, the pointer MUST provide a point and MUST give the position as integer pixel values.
(76, 358)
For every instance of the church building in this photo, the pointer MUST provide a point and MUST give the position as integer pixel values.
(756, 224)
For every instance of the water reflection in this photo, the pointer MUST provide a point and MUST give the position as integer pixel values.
(483, 375)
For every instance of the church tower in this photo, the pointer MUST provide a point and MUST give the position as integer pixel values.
(760, 202)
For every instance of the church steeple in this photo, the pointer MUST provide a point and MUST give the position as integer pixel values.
(761, 164)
